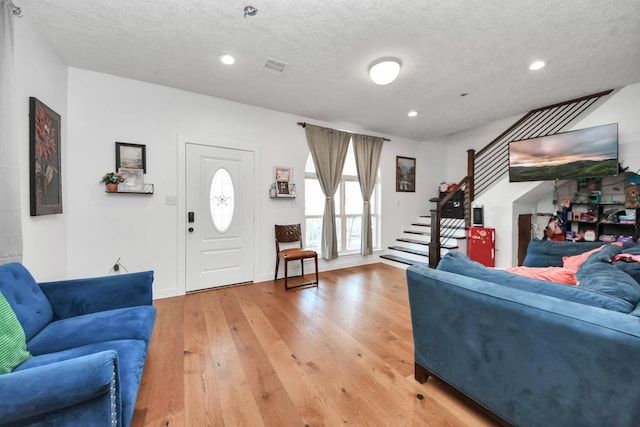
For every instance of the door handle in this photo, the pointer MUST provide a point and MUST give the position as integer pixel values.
(191, 217)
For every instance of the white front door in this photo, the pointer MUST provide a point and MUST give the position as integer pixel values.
(220, 214)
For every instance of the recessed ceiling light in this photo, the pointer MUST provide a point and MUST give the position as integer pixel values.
(227, 59)
(412, 113)
(536, 65)
(384, 71)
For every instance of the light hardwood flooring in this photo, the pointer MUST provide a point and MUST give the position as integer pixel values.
(256, 355)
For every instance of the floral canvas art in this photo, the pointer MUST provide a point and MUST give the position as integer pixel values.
(45, 160)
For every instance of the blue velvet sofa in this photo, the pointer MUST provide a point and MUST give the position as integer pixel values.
(88, 339)
(533, 352)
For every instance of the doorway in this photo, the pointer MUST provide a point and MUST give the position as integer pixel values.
(219, 226)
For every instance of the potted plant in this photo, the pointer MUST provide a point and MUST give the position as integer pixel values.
(111, 180)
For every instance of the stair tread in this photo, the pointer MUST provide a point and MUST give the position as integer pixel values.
(425, 243)
(402, 260)
(409, 250)
(422, 224)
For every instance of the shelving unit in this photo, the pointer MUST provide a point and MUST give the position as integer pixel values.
(608, 221)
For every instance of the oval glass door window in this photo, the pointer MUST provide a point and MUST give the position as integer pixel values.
(221, 200)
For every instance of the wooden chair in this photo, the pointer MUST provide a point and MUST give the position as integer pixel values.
(291, 234)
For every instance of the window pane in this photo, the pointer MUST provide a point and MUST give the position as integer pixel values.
(350, 163)
(338, 233)
(354, 228)
(221, 200)
(309, 166)
(313, 197)
(353, 199)
(337, 199)
(374, 231)
(313, 233)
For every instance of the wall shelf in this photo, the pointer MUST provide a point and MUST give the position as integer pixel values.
(283, 196)
(148, 189)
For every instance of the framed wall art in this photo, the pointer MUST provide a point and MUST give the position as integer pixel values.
(131, 156)
(133, 180)
(283, 174)
(405, 174)
(45, 176)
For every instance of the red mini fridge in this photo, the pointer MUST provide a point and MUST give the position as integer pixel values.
(481, 245)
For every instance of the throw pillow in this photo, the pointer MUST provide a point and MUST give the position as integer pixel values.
(551, 274)
(574, 262)
(13, 344)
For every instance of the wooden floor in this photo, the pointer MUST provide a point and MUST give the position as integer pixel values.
(256, 355)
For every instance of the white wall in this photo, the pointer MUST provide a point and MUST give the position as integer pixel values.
(143, 230)
(42, 74)
(97, 110)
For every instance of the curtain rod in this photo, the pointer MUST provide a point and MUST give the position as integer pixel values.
(303, 124)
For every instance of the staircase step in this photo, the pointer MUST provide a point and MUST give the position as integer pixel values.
(422, 233)
(402, 260)
(410, 251)
(425, 243)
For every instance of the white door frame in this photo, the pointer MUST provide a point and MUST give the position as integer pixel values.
(181, 223)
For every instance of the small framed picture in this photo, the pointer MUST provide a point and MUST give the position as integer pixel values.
(283, 174)
(283, 188)
(133, 180)
(131, 156)
(405, 174)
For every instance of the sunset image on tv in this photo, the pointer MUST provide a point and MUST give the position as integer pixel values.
(584, 153)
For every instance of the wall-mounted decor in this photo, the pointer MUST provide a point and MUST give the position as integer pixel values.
(405, 174)
(131, 156)
(283, 185)
(132, 180)
(283, 174)
(45, 177)
(283, 189)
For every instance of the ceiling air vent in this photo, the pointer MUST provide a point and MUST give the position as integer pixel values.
(274, 66)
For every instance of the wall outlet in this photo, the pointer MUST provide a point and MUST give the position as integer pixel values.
(170, 200)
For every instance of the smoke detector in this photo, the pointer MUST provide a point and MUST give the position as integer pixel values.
(250, 11)
(274, 66)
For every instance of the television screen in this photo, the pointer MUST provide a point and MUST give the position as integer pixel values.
(584, 153)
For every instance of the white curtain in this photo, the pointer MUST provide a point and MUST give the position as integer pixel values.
(367, 150)
(10, 217)
(328, 149)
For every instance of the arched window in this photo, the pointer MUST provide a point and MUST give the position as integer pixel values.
(348, 200)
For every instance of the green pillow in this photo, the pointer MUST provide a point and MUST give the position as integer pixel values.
(13, 344)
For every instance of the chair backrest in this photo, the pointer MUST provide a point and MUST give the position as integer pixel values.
(288, 234)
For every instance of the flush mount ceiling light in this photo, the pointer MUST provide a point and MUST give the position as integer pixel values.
(536, 65)
(227, 59)
(384, 71)
(412, 113)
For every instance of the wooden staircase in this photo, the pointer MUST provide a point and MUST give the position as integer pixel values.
(412, 247)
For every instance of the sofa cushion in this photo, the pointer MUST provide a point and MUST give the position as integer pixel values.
(547, 253)
(598, 274)
(631, 267)
(119, 324)
(459, 263)
(131, 358)
(13, 344)
(26, 298)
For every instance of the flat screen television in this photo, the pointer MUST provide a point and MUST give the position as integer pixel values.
(583, 153)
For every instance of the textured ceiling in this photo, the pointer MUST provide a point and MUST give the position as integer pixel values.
(447, 47)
